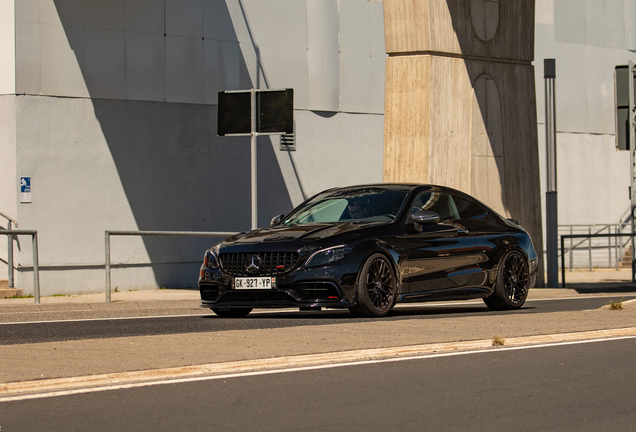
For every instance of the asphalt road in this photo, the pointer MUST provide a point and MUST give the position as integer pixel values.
(37, 332)
(577, 387)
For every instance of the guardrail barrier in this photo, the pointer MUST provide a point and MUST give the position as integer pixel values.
(36, 273)
(152, 233)
(590, 237)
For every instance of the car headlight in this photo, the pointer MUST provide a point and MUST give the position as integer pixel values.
(327, 256)
(211, 258)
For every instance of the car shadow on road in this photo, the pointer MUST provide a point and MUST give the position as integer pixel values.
(396, 313)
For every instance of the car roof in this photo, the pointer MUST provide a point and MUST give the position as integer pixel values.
(396, 186)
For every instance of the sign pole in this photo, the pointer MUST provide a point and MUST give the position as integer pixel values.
(254, 160)
(270, 111)
(552, 241)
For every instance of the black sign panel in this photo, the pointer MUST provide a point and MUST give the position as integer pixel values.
(234, 113)
(275, 110)
(621, 89)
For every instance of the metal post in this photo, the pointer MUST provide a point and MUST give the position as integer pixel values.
(632, 159)
(562, 262)
(254, 162)
(107, 261)
(621, 253)
(10, 258)
(571, 248)
(589, 231)
(616, 240)
(551, 193)
(609, 245)
(36, 270)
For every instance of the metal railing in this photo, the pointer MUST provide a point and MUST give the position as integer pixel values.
(152, 233)
(590, 252)
(589, 237)
(36, 273)
(12, 222)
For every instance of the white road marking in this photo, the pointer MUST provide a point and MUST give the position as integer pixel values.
(117, 381)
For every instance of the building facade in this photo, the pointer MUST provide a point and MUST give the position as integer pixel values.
(109, 107)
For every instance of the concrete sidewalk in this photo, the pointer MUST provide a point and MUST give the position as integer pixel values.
(161, 298)
(166, 300)
(579, 282)
(606, 280)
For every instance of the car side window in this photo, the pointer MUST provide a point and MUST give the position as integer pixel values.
(440, 203)
(468, 210)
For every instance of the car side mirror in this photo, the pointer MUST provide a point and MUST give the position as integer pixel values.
(276, 219)
(425, 217)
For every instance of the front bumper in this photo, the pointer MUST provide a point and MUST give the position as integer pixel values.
(274, 298)
(328, 287)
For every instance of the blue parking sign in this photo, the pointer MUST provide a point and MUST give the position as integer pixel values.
(25, 189)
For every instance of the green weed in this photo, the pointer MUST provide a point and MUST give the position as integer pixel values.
(497, 341)
(616, 305)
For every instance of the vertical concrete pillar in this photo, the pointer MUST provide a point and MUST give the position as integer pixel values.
(460, 106)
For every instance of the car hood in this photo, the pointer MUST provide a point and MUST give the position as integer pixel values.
(296, 235)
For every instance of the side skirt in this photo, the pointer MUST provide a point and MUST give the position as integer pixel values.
(451, 294)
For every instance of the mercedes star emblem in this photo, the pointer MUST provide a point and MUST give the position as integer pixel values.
(254, 264)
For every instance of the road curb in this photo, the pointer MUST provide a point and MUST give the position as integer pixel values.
(90, 382)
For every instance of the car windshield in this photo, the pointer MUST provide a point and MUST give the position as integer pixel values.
(363, 204)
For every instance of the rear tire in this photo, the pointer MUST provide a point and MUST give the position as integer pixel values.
(232, 312)
(376, 287)
(513, 282)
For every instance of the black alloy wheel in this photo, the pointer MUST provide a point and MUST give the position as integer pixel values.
(376, 287)
(232, 312)
(513, 281)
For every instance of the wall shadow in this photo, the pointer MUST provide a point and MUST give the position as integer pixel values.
(498, 48)
(177, 174)
(487, 113)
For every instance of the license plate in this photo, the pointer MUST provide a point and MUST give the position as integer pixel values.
(254, 283)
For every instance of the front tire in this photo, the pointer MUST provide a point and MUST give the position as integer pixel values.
(513, 282)
(376, 288)
(232, 312)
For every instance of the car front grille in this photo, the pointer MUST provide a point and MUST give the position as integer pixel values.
(272, 263)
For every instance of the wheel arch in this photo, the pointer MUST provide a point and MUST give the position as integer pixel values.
(392, 257)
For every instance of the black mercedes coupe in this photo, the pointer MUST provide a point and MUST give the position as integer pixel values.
(369, 247)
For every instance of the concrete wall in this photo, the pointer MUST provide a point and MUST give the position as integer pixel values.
(107, 164)
(587, 38)
(330, 51)
(8, 179)
(159, 166)
(132, 143)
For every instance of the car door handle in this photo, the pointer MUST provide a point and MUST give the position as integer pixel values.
(462, 231)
